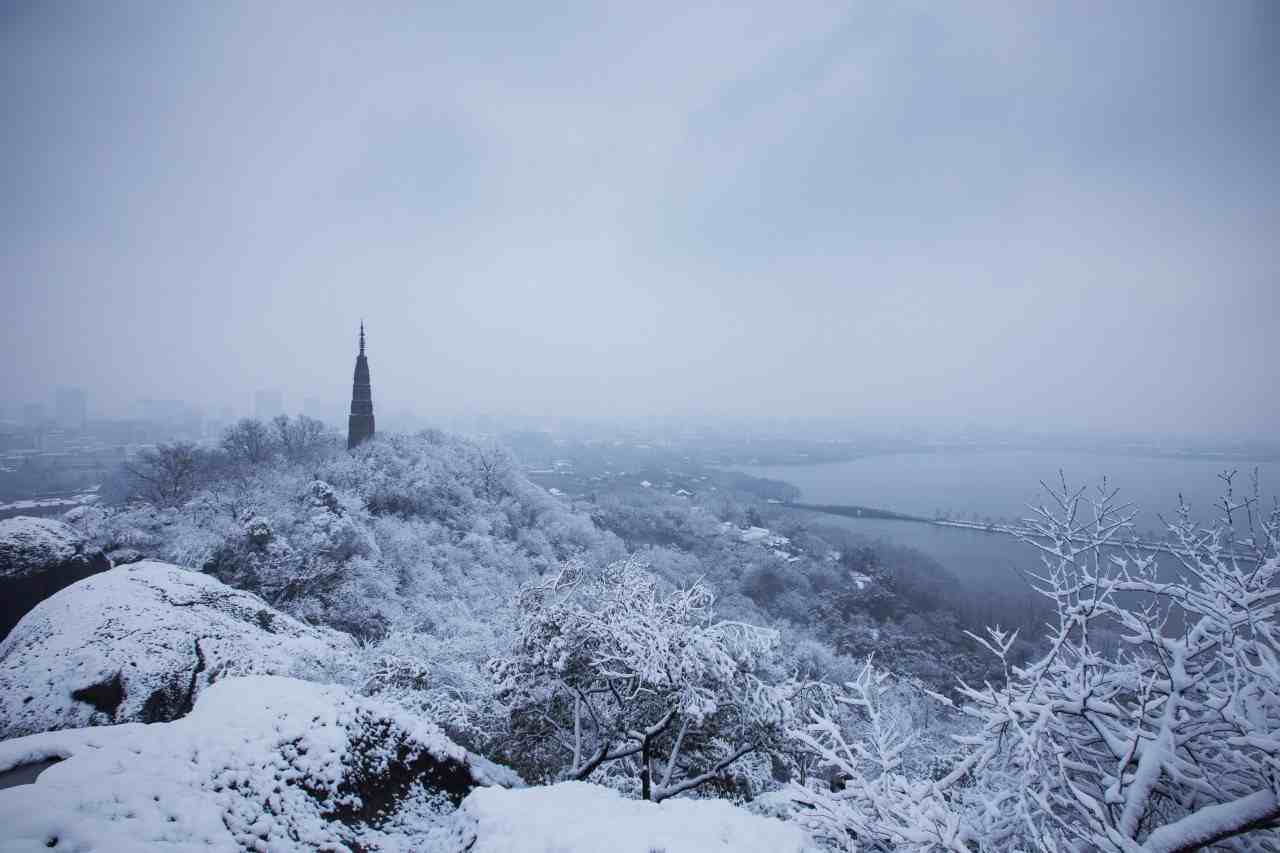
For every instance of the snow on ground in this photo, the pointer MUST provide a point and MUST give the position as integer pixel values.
(261, 763)
(577, 817)
(139, 643)
(29, 544)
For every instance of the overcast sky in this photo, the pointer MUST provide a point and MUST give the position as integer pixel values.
(1014, 214)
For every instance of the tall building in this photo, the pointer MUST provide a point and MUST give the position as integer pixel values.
(267, 404)
(71, 409)
(33, 415)
(360, 422)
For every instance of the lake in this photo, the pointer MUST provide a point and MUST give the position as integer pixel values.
(999, 484)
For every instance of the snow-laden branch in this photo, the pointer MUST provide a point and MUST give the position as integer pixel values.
(1152, 722)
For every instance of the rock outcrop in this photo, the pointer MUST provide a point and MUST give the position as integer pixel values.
(38, 557)
(261, 763)
(139, 643)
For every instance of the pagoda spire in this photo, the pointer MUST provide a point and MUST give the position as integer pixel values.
(360, 425)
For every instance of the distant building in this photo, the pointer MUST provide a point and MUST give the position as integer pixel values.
(267, 404)
(71, 409)
(360, 421)
(33, 415)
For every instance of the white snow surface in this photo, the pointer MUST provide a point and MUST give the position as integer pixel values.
(28, 544)
(257, 765)
(167, 632)
(578, 817)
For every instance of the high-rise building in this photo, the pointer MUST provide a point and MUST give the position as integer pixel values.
(33, 415)
(267, 403)
(360, 421)
(71, 409)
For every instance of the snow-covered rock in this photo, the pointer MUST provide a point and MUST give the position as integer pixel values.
(29, 544)
(38, 557)
(139, 643)
(577, 817)
(261, 763)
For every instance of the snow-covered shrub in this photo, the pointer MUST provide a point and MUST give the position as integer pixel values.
(607, 668)
(437, 674)
(880, 797)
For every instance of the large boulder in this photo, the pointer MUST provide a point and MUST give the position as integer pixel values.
(38, 557)
(139, 643)
(261, 763)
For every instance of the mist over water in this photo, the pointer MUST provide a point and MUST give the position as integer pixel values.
(1004, 485)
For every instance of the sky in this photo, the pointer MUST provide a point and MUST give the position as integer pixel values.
(1050, 215)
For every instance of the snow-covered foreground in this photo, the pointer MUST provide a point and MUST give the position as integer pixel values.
(271, 763)
(577, 817)
(261, 763)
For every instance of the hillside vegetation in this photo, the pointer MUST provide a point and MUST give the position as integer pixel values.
(667, 647)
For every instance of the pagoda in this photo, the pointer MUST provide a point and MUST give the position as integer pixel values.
(360, 422)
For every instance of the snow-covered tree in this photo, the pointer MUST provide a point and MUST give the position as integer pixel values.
(1171, 742)
(606, 668)
(167, 474)
(302, 439)
(249, 442)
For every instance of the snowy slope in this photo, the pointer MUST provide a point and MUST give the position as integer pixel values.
(139, 643)
(261, 763)
(577, 817)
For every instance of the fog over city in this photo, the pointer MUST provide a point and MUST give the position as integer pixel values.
(1055, 216)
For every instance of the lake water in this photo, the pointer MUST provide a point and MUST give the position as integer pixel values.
(1000, 485)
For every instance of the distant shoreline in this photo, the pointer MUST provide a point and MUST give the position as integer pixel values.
(1014, 531)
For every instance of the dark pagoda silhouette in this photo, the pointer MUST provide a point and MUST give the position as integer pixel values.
(360, 422)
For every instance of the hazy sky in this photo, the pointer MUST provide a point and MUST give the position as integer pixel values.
(1007, 213)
